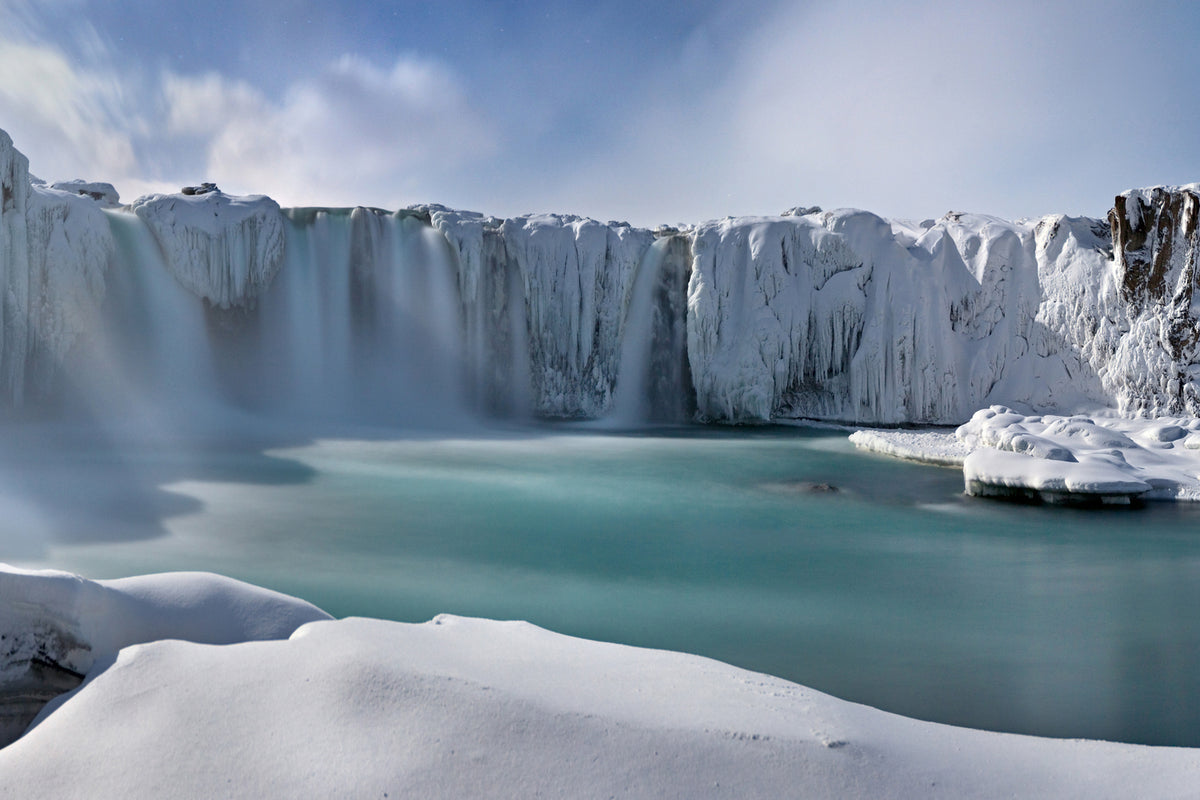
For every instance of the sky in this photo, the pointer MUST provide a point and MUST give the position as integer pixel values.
(654, 113)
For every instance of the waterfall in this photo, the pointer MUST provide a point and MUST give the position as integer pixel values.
(147, 358)
(631, 402)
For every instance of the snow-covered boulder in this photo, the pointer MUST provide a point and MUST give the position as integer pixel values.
(222, 248)
(103, 193)
(1079, 459)
(56, 627)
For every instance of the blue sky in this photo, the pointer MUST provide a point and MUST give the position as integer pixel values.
(651, 112)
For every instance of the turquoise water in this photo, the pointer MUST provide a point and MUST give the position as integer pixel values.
(895, 590)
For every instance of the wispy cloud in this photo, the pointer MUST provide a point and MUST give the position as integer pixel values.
(73, 120)
(907, 109)
(349, 132)
(352, 133)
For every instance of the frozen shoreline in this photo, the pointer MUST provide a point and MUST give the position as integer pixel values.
(1098, 459)
(466, 707)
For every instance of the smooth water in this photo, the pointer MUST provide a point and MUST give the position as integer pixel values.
(894, 590)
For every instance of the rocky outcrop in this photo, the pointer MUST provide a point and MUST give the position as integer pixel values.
(1156, 356)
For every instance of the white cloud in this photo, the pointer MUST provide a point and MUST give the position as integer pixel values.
(68, 121)
(351, 134)
(909, 109)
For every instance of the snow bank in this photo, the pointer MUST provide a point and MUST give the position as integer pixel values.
(222, 248)
(940, 448)
(55, 626)
(1078, 458)
(467, 707)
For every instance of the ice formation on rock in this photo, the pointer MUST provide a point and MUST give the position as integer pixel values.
(224, 249)
(1157, 352)
(844, 316)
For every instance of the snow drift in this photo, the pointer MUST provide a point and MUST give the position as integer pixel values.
(466, 707)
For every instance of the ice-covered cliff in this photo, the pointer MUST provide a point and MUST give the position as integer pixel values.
(54, 250)
(224, 249)
(1155, 365)
(843, 315)
(429, 312)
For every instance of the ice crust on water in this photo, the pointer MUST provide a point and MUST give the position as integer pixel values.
(460, 707)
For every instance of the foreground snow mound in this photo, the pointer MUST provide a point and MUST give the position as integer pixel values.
(224, 249)
(1079, 459)
(472, 708)
(56, 627)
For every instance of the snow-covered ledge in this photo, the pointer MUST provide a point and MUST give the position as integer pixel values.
(1078, 459)
(468, 707)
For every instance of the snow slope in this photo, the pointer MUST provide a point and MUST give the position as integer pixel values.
(475, 708)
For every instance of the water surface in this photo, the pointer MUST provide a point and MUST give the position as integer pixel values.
(892, 589)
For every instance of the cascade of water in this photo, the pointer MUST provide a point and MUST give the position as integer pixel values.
(362, 323)
(148, 355)
(630, 398)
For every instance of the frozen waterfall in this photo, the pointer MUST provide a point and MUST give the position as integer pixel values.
(182, 305)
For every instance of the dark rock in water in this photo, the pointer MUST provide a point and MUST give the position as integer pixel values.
(801, 487)
(204, 188)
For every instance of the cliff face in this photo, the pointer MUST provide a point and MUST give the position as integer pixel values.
(54, 250)
(1157, 356)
